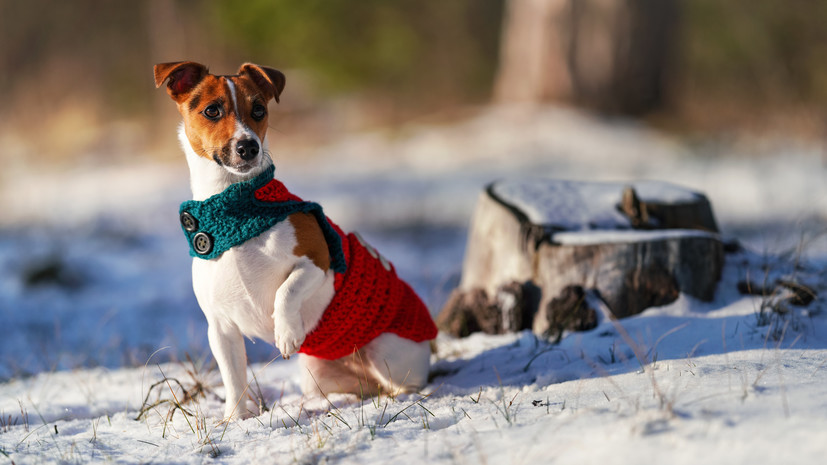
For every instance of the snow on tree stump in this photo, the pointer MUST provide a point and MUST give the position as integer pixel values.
(538, 249)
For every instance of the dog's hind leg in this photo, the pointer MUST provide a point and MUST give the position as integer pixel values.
(322, 377)
(387, 365)
(399, 365)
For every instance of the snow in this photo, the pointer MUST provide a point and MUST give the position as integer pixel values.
(625, 236)
(579, 205)
(112, 313)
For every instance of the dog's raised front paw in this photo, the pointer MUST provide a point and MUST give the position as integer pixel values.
(288, 342)
(288, 347)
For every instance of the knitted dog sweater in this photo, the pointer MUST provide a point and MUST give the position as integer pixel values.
(369, 298)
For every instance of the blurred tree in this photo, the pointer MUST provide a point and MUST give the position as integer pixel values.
(756, 51)
(54, 51)
(420, 51)
(610, 55)
(73, 68)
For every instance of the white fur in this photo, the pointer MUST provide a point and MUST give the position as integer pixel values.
(261, 289)
(241, 130)
(207, 178)
(238, 301)
(233, 95)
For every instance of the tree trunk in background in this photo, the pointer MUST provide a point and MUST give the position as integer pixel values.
(609, 55)
(165, 33)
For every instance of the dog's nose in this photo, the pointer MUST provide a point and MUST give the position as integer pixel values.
(247, 149)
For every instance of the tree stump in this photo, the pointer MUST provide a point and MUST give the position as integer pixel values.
(636, 246)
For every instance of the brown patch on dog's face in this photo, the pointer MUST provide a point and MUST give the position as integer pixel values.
(225, 117)
(252, 105)
(210, 120)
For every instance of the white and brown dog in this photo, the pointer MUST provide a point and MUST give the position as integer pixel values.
(270, 265)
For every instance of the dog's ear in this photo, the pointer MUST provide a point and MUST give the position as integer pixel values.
(183, 76)
(267, 79)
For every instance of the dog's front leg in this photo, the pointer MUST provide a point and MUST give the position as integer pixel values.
(301, 283)
(227, 345)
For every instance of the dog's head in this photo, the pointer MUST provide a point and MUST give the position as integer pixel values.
(225, 117)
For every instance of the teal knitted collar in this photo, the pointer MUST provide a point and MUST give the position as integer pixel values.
(236, 215)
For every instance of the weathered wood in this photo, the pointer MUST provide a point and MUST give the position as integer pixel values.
(562, 235)
(510, 309)
(569, 311)
(491, 255)
(634, 275)
(682, 215)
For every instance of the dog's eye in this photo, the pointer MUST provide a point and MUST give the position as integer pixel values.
(259, 112)
(212, 111)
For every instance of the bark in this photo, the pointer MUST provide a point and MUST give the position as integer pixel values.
(631, 271)
(610, 55)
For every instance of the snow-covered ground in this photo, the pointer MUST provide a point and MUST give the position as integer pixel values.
(97, 306)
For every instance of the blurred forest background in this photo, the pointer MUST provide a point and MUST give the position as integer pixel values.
(76, 80)
(395, 113)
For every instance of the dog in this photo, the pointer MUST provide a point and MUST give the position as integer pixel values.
(269, 265)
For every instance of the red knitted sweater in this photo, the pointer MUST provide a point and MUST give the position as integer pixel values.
(370, 298)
